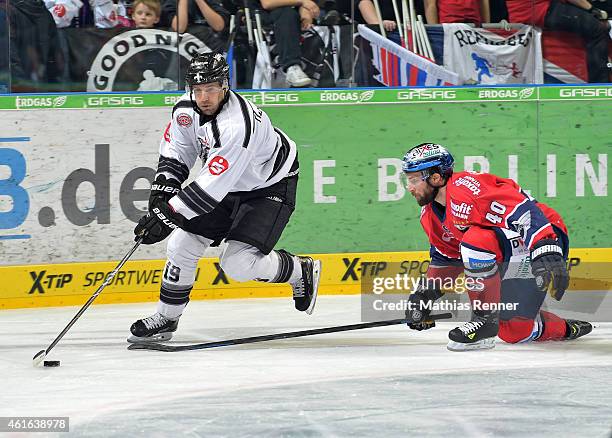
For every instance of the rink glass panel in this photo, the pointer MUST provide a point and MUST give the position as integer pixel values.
(119, 59)
(5, 75)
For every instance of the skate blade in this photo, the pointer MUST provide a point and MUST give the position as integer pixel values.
(316, 277)
(485, 344)
(160, 337)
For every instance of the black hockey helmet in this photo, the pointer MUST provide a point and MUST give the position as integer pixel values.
(207, 67)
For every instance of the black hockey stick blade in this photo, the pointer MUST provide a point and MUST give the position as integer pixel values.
(40, 356)
(276, 336)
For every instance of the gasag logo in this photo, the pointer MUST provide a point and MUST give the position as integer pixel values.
(426, 94)
(122, 47)
(263, 98)
(95, 101)
(586, 92)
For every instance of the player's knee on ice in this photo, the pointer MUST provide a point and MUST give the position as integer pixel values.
(516, 330)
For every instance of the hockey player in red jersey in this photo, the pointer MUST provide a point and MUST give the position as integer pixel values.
(513, 248)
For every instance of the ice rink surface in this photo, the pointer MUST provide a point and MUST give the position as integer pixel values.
(381, 382)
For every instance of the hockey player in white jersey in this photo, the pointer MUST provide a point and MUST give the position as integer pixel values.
(244, 194)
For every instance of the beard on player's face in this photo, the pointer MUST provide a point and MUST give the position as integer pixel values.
(426, 196)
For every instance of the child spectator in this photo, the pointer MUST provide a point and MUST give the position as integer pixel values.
(146, 13)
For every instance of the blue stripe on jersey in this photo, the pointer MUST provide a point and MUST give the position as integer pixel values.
(527, 219)
(439, 259)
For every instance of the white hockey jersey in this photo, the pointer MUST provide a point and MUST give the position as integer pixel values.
(239, 148)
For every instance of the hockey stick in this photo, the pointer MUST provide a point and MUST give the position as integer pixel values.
(38, 357)
(275, 336)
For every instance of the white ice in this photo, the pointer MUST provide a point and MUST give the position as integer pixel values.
(388, 381)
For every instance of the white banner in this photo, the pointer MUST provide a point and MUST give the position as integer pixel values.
(480, 56)
(79, 184)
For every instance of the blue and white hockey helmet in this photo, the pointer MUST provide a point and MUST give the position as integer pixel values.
(429, 158)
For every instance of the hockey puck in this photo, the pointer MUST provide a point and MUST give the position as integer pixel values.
(51, 363)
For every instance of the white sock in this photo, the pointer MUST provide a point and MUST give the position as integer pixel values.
(170, 311)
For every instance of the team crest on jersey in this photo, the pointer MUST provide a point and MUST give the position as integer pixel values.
(184, 120)
(218, 165)
(447, 236)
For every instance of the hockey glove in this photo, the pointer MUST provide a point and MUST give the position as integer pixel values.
(598, 13)
(158, 223)
(549, 268)
(163, 189)
(419, 308)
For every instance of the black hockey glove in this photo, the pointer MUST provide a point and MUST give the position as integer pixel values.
(598, 13)
(158, 223)
(419, 308)
(549, 268)
(163, 189)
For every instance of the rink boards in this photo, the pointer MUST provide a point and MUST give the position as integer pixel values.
(139, 280)
(75, 172)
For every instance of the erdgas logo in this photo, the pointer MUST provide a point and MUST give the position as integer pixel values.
(263, 98)
(59, 101)
(40, 102)
(366, 96)
(505, 93)
(347, 96)
(122, 47)
(427, 95)
(586, 92)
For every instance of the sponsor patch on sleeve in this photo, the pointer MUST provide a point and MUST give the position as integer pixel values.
(478, 264)
(218, 165)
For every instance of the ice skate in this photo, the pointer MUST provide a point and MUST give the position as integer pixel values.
(576, 329)
(477, 334)
(155, 328)
(306, 288)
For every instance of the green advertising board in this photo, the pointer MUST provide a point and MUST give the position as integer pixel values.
(554, 141)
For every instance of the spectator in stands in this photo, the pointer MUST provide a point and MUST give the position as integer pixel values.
(369, 16)
(35, 56)
(63, 11)
(108, 14)
(576, 16)
(209, 12)
(287, 17)
(146, 13)
(457, 11)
